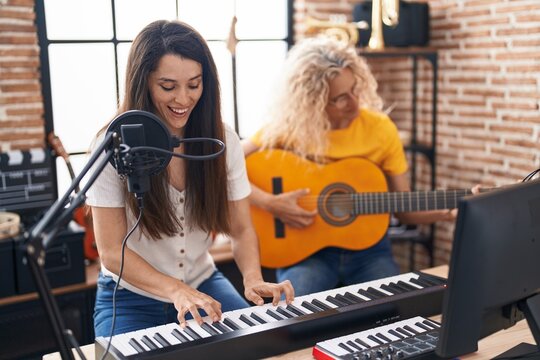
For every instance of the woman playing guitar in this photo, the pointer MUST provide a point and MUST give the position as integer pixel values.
(327, 109)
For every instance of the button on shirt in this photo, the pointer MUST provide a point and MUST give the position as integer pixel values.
(184, 255)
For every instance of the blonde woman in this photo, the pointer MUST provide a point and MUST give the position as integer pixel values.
(327, 108)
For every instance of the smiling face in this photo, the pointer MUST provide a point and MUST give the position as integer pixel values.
(175, 88)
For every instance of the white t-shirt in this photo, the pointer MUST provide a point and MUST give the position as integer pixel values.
(184, 255)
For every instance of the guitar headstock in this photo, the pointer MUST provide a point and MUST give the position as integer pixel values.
(57, 146)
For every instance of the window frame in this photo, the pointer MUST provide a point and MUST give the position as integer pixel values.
(44, 42)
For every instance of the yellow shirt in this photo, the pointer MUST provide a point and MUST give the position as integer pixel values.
(372, 136)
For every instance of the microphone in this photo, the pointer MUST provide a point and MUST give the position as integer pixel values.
(144, 148)
(140, 129)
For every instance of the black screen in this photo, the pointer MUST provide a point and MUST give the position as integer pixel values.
(495, 265)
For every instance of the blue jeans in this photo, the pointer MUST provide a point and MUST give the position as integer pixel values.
(332, 266)
(136, 312)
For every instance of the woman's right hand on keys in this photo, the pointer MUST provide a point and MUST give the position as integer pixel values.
(189, 300)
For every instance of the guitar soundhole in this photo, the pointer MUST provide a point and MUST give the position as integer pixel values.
(335, 204)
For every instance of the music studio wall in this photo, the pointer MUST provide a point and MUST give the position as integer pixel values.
(488, 102)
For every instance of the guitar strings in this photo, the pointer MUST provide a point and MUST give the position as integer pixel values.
(371, 202)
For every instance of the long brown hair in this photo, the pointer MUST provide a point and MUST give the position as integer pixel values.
(206, 198)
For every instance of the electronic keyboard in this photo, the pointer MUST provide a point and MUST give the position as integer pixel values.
(262, 331)
(414, 338)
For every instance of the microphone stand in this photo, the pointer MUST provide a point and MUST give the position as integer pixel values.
(39, 237)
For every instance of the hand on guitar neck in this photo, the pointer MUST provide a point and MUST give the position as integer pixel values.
(451, 214)
(81, 215)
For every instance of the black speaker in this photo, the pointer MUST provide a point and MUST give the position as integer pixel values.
(411, 30)
(64, 261)
(25, 331)
(7, 277)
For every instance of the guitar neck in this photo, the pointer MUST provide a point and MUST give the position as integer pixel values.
(392, 202)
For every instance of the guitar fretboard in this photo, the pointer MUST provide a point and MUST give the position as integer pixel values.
(390, 202)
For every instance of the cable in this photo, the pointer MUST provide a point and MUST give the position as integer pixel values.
(530, 176)
(124, 242)
(185, 156)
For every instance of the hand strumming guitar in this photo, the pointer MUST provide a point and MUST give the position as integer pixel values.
(285, 207)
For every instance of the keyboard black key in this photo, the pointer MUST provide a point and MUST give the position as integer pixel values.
(404, 332)
(148, 342)
(247, 320)
(381, 336)
(274, 314)
(374, 291)
(295, 310)
(160, 339)
(367, 294)
(437, 281)
(221, 327)
(353, 297)
(343, 299)
(258, 318)
(431, 323)
(389, 289)
(311, 307)
(181, 337)
(284, 312)
(192, 333)
(354, 345)
(420, 325)
(407, 286)
(209, 329)
(135, 344)
(375, 339)
(420, 282)
(320, 304)
(346, 348)
(231, 324)
(410, 329)
(397, 287)
(396, 334)
(361, 342)
(433, 281)
(335, 301)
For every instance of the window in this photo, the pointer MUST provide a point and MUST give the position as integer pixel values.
(85, 43)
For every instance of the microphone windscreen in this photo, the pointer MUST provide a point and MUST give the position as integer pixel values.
(155, 134)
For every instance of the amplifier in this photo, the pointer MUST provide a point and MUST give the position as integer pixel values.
(411, 30)
(64, 261)
(7, 278)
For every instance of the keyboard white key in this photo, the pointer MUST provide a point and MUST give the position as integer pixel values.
(121, 342)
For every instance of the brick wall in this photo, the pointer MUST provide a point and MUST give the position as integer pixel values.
(489, 93)
(21, 104)
(489, 90)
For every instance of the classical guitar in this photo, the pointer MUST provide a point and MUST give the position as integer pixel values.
(81, 216)
(351, 198)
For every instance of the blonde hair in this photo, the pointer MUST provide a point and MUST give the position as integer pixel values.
(297, 118)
